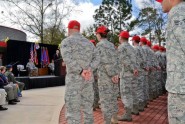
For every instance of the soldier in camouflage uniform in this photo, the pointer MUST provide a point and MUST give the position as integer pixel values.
(150, 62)
(175, 44)
(95, 86)
(128, 73)
(153, 74)
(81, 60)
(11, 78)
(143, 42)
(159, 71)
(140, 61)
(107, 71)
(164, 74)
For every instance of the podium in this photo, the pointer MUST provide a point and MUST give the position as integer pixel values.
(42, 71)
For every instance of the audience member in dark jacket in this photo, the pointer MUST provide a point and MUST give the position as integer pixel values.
(11, 89)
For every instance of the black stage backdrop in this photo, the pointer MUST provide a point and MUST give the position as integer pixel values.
(19, 51)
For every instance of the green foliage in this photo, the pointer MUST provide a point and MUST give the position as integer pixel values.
(53, 36)
(114, 14)
(89, 33)
(152, 22)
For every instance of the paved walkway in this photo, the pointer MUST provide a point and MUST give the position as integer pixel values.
(156, 113)
(37, 106)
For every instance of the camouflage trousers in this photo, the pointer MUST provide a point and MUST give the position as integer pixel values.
(108, 100)
(135, 90)
(155, 84)
(96, 93)
(159, 82)
(140, 80)
(152, 85)
(163, 77)
(116, 90)
(146, 86)
(79, 96)
(126, 91)
(176, 108)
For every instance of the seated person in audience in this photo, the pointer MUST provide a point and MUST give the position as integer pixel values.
(11, 89)
(11, 78)
(2, 99)
(31, 68)
(52, 67)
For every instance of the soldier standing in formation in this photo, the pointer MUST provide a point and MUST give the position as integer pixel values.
(140, 61)
(158, 71)
(134, 66)
(128, 73)
(175, 44)
(107, 76)
(81, 60)
(95, 86)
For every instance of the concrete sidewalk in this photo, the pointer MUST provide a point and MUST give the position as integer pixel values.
(37, 106)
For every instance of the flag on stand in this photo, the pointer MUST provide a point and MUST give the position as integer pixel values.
(35, 55)
(47, 54)
(41, 59)
(44, 57)
(31, 53)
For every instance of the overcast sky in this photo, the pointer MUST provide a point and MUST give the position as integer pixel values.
(84, 15)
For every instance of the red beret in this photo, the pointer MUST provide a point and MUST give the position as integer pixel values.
(149, 43)
(161, 48)
(73, 24)
(160, 1)
(136, 38)
(92, 41)
(124, 34)
(102, 29)
(143, 40)
(155, 47)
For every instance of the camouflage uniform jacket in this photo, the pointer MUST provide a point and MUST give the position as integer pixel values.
(140, 60)
(175, 44)
(78, 54)
(127, 59)
(108, 58)
(10, 77)
(149, 56)
(159, 58)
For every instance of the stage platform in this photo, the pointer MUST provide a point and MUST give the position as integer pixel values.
(41, 81)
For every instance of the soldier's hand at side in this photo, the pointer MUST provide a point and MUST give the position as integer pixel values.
(86, 74)
(147, 69)
(135, 72)
(158, 68)
(63, 64)
(115, 79)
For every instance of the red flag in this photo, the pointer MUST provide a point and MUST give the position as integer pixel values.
(35, 55)
(31, 53)
(47, 56)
